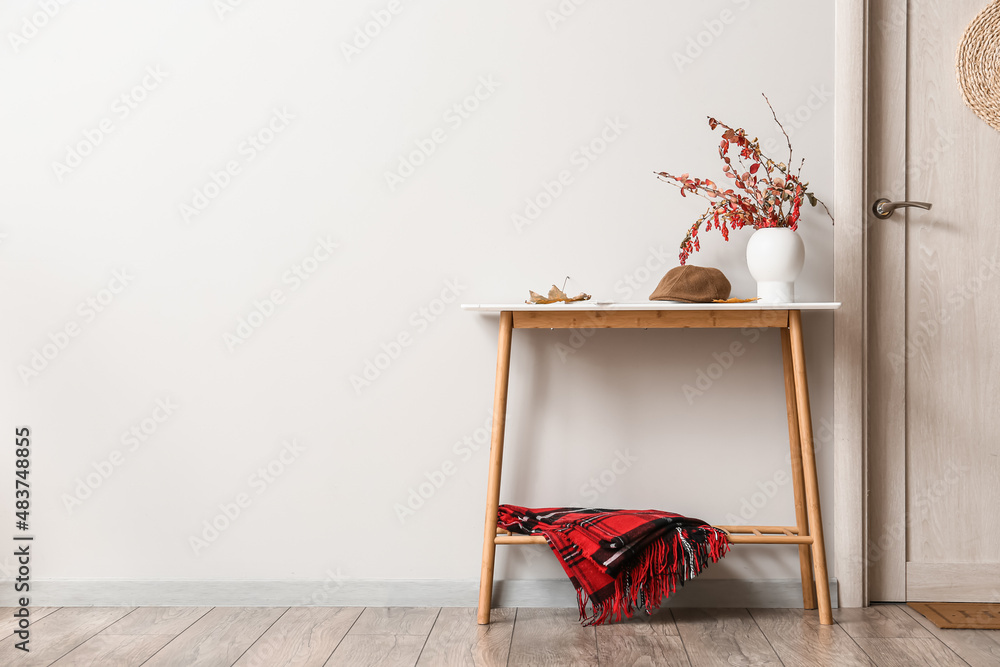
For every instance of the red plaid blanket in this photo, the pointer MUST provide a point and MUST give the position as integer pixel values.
(620, 560)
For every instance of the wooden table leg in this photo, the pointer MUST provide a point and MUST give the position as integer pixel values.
(496, 462)
(813, 512)
(801, 518)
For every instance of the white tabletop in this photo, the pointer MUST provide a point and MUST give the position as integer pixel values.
(647, 305)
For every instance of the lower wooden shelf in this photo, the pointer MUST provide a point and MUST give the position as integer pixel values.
(766, 535)
(510, 538)
(737, 535)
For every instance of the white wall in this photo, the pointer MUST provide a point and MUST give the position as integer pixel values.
(191, 282)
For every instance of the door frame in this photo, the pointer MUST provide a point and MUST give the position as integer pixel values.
(850, 322)
(885, 333)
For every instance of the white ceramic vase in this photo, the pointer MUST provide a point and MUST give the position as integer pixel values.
(775, 256)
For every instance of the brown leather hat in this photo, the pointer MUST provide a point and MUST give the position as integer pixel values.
(694, 284)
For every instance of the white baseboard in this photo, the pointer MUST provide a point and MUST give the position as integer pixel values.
(760, 593)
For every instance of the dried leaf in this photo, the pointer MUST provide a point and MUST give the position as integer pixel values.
(556, 295)
(535, 297)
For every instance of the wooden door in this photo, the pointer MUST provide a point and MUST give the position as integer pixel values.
(933, 315)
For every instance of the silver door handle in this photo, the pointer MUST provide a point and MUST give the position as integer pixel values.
(883, 208)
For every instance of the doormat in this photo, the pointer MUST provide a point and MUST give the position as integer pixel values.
(961, 615)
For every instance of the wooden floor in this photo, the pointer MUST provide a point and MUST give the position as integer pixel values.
(301, 636)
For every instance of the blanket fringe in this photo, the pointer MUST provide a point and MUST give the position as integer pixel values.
(663, 566)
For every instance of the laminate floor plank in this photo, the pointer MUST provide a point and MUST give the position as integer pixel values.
(880, 620)
(103, 650)
(641, 640)
(799, 639)
(979, 648)
(395, 621)
(58, 633)
(157, 621)
(302, 637)
(218, 638)
(909, 652)
(386, 636)
(552, 638)
(723, 637)
(660, 622)
(8, 623)
(457, 639)
(640, 650)
(381, 650)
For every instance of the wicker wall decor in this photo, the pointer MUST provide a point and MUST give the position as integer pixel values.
(978, 65)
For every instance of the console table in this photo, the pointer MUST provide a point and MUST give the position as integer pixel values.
(786, 317)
